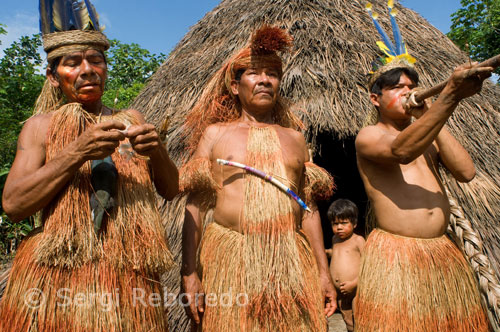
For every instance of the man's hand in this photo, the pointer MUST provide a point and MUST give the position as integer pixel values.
(144, 139)
(416, 111)
(194, 297)
(98, 141)
(467, 81)
(329, 294)
(348, 287)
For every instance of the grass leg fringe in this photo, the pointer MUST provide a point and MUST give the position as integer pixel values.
(409, 284)
(231, 306)
(92, 298)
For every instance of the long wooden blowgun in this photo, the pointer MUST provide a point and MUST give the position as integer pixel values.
(420, 96)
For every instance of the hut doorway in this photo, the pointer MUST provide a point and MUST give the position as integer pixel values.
(338, 156)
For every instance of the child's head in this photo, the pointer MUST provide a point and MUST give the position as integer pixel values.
(343, 214)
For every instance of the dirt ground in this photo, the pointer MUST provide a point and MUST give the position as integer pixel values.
(336, 323)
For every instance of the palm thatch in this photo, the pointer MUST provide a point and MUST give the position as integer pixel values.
(4, 276)
(324, 76)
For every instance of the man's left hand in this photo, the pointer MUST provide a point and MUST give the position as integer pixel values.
(144, 139)
(330, 295)
(417, 112)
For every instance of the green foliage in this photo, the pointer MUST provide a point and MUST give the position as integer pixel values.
(129, 67)
(11, 235)
(2, 31)
(477, 24)
(20, 84)
(122, 96)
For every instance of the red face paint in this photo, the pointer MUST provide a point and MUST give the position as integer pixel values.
(393, 101)
(82, 76)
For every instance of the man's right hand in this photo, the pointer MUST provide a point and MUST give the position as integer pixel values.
(193, 297)
(466, 81)
(99, 141)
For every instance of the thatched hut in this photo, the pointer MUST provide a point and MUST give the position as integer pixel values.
(324, 76)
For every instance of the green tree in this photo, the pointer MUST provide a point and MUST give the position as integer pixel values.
(129, 67)
(2, 31)
(20, 84)
(477, 24)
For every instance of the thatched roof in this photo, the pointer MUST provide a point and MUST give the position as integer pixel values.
(324, 76)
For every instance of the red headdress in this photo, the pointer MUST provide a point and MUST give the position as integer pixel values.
(218, 104)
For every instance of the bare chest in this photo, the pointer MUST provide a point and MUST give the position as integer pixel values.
(422, 171)
(233, 145)
(347, 249)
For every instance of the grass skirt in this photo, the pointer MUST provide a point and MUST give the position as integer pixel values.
(229, 305)
(95, 297)
(411, 284)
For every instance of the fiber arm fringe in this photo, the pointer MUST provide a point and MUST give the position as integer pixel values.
(196, 177)
(319, 184)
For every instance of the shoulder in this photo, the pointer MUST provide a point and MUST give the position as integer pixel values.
(39, 120)
(214, 131)
(368, 133)
(367, 137)
(36, 128)
(296, 138)
(216, 128)
(360, 241)
(208, 139)
(135, 114)
(33, 136)
(294, 134)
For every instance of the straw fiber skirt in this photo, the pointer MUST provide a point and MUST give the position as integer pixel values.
(409, 284)
(231, 304)
(95, 297)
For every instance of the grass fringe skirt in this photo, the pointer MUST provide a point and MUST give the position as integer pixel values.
(411, 284)
(95, 297)
(229, 305)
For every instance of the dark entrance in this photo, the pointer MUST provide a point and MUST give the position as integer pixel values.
(338, 156)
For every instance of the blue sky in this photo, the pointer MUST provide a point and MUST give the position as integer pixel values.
(158, 25)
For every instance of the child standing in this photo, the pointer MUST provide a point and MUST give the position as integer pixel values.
(346, 255)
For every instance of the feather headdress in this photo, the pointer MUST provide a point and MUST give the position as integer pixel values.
(65, 23)
(65, 15)
(396, 54)
(67, 26)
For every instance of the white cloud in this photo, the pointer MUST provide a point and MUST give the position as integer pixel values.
(21, 24)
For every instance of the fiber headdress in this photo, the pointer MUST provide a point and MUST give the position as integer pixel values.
(396, 54)
(67, 26)
(218, 104)
(261, 52)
